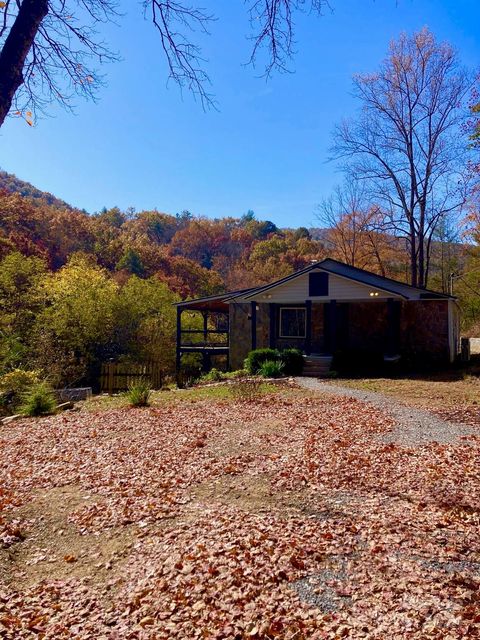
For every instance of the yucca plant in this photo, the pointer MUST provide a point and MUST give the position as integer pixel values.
(139, 394)
(271, 369)
(39, 401)
(256, 358)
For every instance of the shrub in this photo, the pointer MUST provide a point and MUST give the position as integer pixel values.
(246, 390)
(256, 358)
(139, 393)
(331, 374)
(214, 375)
(293, 362)
(13, 386)
(233, 375)
(190, 370)
(271, 369)
(38, 401)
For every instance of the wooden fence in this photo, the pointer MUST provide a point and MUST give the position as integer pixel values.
(119, 376)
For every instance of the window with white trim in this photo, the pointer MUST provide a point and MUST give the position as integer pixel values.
(293, 322)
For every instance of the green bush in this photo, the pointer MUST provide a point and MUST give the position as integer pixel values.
(190, 370)
(271, 369)
(256, 358)
(38, 401)
(293, 361)
(13, 386)
(139, 394)
(233, 375)
(214, 375)
(331, 374)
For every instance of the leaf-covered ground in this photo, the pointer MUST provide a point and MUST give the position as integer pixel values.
(289, 517)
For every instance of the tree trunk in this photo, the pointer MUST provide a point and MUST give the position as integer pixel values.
(421, 263)
(16, 48)
(413, 257)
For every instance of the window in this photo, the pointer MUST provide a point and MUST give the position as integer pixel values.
(318, 284)
(292, 322)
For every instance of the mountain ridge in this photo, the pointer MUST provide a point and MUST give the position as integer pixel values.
(9, 182)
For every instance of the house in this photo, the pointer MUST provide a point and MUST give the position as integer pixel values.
(325, 308)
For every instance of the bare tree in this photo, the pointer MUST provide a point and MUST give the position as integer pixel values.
(50, 49)
(343, 215)
(406, 145)
(356, 230)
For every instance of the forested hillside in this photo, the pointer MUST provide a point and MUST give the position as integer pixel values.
(12, 184)
(77, 289)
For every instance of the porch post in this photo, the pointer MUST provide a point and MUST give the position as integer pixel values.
(179, 339)
(205, 326)
(253, 315)
(332, 326)
(273, 325)
(308, 328)
(206, 361)
(393, 326)
(228, 339)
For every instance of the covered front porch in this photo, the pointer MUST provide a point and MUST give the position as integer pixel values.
(316, 328)
(223, 332)
(203, 329)
(323, 328)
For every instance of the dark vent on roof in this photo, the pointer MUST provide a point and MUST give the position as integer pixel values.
(318, 284)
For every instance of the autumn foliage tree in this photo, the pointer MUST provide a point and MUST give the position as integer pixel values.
(355, 233)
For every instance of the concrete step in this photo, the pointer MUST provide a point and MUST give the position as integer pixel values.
(316, 366)
(313, 372)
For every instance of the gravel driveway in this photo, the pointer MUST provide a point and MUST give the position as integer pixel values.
(413, 426)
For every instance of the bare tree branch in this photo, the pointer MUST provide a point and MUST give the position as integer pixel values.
(172, 19)
(59, 59)
(406, 145)
(272, 23)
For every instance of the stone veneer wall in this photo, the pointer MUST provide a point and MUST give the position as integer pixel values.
(423, 328)
(241, 331)
(424, 331)
(240, 334)
(367, 325)
(263, 325)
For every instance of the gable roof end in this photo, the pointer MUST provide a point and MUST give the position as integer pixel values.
(361, 276)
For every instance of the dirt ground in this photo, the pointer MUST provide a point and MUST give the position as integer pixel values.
(206, 516)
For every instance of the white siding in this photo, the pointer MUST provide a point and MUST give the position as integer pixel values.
(296, 291)
(453, 330)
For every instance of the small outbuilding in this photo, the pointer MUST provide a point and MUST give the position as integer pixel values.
(323, 309)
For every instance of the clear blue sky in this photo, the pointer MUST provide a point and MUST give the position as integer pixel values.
(141, 145)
